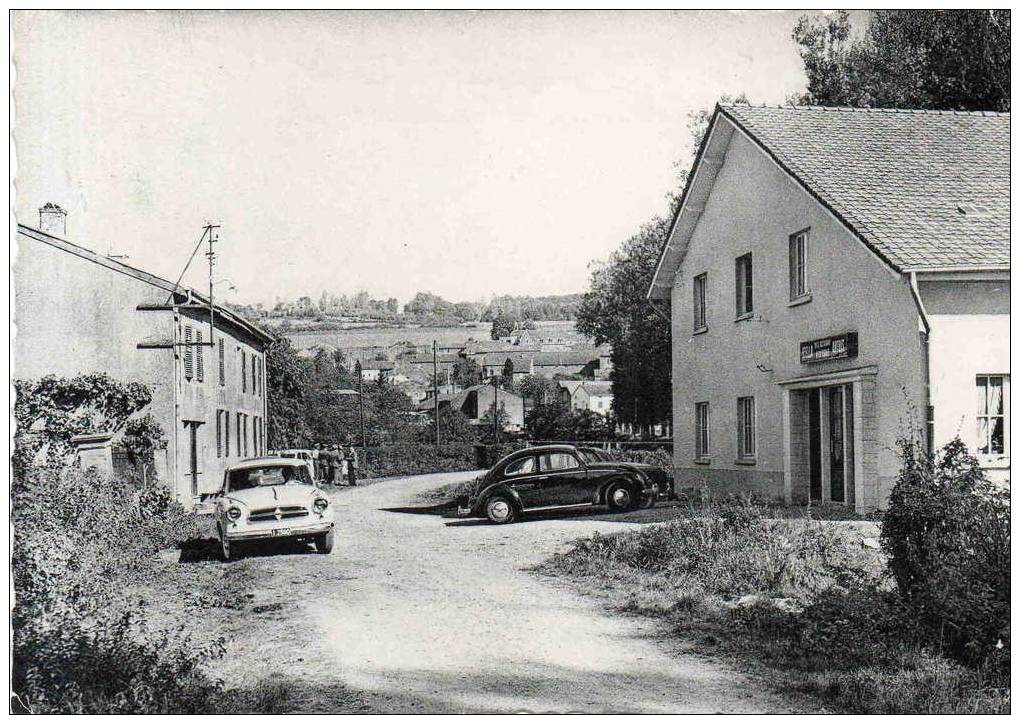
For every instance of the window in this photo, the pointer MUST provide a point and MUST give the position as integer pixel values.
(223, 361)
(521, 467)
(745, 286)
(557, 461)
(253, 382)
(992, 414)
(700, 301)
(240, 444)
(745, 428)
(200, 364)
(226, 433)
(244, 372)
(189, 356)
(798, 265)
(701, 430)
(244, 421)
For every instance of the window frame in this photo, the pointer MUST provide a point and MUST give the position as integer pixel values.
(985, 414)
(700, 297)
(743, 268)
(747, 429)
(799, 247)
(702, 431)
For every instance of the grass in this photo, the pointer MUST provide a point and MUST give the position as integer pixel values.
(807, 600)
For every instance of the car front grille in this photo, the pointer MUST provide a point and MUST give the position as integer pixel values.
(278, 513)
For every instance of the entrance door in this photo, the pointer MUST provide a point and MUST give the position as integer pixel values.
(837, 445)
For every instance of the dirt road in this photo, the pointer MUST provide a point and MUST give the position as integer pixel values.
(423, 614)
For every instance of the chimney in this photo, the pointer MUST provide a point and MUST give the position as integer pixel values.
(52, 220)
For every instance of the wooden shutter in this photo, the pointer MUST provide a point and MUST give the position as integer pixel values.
(244, 372)
(200, 363)
(223, 371)
(189, 357)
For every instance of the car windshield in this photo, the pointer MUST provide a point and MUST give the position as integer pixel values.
(267, 476)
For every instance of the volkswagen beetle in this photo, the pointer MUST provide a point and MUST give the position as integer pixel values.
(272, 498)
(563, 476)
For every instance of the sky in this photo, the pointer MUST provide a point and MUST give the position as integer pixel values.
(466, 154)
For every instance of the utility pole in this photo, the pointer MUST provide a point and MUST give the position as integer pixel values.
(495, 407)
(435, 385)
(210, 232)
(361, 405)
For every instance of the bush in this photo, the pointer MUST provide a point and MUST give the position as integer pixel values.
(82, 541)
(405, 459)
(947, 535)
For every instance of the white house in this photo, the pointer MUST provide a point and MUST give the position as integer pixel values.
(836, 276)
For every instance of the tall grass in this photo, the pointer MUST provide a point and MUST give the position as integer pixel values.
(809, 598)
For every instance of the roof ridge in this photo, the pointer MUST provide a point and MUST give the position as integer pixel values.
(873, 110)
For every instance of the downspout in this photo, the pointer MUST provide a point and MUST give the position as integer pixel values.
(929, 417)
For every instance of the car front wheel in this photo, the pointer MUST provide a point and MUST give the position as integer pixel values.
(500, 510)
(324, 542)
(619, 497)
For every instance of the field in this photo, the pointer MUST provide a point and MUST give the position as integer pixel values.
(361, 338)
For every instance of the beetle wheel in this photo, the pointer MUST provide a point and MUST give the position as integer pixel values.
(620, 497)
(500, 510)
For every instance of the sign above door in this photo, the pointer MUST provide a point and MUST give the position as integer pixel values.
(834, 347)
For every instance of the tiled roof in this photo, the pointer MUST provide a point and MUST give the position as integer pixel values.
(521, 363)
(921, 188)
(572, 357)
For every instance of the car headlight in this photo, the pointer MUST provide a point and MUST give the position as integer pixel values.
(233, 513)
(320, 505)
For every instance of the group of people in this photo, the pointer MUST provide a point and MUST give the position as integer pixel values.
(332, 463)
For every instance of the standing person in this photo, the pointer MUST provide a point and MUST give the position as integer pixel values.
(317, 462)
(352, 467)
(326, 459)
(341, 462)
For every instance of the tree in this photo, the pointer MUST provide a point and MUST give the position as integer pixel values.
(485, 426)
(919, 59)
(507, 380)
(539, 390)
(466, 372)
(549, 421)
(502, 326)
(454, 427)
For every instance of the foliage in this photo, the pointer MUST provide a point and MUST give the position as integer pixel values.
(81, 540)
(947, 534)
(539, 390)
(923, 59)
(556, 421)
(287, 377)
(486, 455)
(507, 377)
(453, 427)
(142, 438)
(51, 410)
(406, 459)
(502, 326)
(466, 372)
(486, 432)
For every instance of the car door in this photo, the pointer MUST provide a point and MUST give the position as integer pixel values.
(565, 478)
(523, 477)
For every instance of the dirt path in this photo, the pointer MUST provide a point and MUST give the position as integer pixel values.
(424, 614)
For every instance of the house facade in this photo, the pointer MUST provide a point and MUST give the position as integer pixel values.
(838, 280)
(77, 312)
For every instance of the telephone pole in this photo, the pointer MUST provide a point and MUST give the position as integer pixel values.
(210, 232)
(435, 385)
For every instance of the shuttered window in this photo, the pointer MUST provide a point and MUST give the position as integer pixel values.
(223, 364)
(244, 372)
(745, 285)
(219, 434)
(189, 356)
(200, 362)
(240, 444)
(226, 433)
(746, 438)
(700, 302)
(701, 430)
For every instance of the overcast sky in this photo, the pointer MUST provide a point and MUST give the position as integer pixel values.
(465, 154)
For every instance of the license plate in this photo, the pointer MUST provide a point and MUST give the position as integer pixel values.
(281, 532)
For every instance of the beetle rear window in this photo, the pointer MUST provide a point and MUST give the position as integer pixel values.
(266, 477)
(521, 466)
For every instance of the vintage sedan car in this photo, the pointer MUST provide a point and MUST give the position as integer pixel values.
(562, 476)
(272, 498)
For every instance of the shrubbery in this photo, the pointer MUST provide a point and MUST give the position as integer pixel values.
(947, 535)
(82, 540)
(813, 598)
(405, 459)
